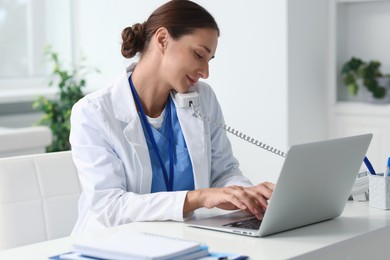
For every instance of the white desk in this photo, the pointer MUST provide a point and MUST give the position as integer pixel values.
(360, 232)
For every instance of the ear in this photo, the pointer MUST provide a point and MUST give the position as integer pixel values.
(162, 36)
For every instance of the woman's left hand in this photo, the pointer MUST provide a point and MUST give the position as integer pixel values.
(262, 192)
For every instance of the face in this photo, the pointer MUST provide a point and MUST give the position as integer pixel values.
(186, 60)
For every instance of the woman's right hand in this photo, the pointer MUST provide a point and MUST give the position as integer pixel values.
(227, 198)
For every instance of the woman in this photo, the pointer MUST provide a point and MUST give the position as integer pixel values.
(140, 157)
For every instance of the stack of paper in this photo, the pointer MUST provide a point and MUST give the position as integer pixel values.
(359, 190)
(130, 245)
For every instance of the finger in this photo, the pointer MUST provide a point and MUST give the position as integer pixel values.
(255, 203)
(260, 198)
(263, 202)
(260, 192)
(249, 201)
(227, 206)
(269, 185)
(231, 197)
(264, 189)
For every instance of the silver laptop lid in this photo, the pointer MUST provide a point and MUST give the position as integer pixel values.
(315, 182)
(314, 185)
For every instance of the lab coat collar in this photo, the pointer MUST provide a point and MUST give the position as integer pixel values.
(125, 110)
(122, 97)
(135, 136)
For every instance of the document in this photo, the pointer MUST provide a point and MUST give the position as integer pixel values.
(138, 245)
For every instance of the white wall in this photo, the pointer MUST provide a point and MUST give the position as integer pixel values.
(307, 70)
(249, 77)
(251, 73)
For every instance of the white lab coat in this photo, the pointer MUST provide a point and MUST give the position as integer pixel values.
(111, 155)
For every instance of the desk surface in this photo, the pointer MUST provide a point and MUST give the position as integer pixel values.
(358, 232)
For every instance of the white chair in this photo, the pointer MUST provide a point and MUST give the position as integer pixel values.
(25, 140)
(38, 198)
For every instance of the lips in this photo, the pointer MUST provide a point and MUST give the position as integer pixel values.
(191, 80)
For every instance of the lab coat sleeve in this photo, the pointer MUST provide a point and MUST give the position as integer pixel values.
(105, 194)
(225, 169)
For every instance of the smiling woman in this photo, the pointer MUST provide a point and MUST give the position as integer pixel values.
(139, 155)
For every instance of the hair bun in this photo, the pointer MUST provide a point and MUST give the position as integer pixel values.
(133, 40)
(139, 29)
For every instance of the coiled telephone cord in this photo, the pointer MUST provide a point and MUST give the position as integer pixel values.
(239, 134)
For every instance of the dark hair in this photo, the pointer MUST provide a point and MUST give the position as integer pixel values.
(179, 17)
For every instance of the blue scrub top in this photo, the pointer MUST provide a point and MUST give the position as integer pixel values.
(183, 175)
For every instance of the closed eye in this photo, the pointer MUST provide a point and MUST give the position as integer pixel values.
(198, 55)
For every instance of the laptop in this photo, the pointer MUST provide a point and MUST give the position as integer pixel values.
(313, 186)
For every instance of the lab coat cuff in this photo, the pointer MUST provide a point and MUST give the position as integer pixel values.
(179, 206)
(187, 215)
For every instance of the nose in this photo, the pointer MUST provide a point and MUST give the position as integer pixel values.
(203, 72)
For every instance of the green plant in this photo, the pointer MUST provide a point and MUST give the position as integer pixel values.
(57, 110)
(355, 69)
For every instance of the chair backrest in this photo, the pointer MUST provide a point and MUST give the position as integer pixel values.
(38, 198)
(25, 140)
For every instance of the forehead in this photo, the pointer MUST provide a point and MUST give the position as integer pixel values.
(203, 37)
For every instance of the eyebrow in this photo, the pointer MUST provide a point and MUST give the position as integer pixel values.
(208, 50)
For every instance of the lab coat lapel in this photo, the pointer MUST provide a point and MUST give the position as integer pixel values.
(126, 111)
(135, 136)
(194, 135)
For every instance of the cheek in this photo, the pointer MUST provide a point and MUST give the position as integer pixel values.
(171, 71)
(176, 65)
(171, 61)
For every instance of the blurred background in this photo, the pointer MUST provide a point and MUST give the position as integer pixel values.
(277, 71)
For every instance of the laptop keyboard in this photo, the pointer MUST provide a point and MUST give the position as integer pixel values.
(250, 223)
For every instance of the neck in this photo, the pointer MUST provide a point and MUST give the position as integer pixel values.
(151, 91)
